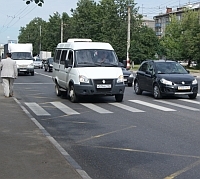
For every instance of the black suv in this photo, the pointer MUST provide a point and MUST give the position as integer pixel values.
(48, 64)
(165, 77)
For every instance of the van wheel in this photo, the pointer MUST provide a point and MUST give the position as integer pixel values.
(119, 97)
(72, 95)
(57, 89)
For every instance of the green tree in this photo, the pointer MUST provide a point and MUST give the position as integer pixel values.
(144, 45)
(171, 40)
(190, 36)
(31, 34)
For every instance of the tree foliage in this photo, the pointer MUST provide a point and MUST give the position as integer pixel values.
(181, 39)
(106, 21)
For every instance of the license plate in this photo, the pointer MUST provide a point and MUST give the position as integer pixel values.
(125, 79)
(183, 87)
(104, 86)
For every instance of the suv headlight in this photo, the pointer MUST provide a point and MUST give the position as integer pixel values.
(194, 82)
(166, 82)
(83, 79)
(131, 75)
(120, 79)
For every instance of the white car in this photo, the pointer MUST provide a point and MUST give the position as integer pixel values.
(37, 62)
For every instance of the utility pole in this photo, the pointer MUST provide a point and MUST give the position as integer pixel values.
(40, 39)
(128, 38)
(61, 31)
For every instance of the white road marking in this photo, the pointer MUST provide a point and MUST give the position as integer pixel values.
(128, 108)
(96, 108)
(38, 110)
(152, 105)
(64, 108)
(190, 101)
(177, 105)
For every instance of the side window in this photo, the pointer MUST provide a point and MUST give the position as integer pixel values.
(70, 57)
(63, 57)
(143, 67)
(150, 69)
(57, 56)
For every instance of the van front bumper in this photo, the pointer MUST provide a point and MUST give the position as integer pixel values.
(94, 90)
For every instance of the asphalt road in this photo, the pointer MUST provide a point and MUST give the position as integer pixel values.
(140, 138)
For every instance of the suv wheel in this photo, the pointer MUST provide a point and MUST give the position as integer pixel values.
(156, 92)
(192, 96)
(137, 88)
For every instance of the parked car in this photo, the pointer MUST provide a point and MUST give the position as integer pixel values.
(37, 62)
(128, 77)
(48, 64)
(163, 77)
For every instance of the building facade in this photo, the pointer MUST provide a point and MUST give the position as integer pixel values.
(162, 20)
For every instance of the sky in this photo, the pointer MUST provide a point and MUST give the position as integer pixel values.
(17, 14)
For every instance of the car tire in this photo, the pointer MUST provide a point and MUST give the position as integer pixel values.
(119, 97)
(32, 73)
(45, 69)
(130, 84)
(57, 89)
(156, 92)
(192, 96)
(137, 89)
(72, 95)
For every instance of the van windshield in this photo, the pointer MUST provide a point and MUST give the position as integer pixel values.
(22, 56)
(96, 57)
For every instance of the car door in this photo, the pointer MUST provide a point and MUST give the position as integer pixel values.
(141, 76)
(149, 76)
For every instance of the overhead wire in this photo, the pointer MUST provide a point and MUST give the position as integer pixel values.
(16, 17)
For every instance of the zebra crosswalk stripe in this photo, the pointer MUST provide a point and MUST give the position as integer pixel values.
(190, 101)
(64, 108)
(178, 105)
(96, 108)
(39, 111)
(152, 105)
(125, 107)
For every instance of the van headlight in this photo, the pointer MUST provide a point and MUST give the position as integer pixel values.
(194, 82)
(166, 82)
(83, 79)
(30, 65)
(120, 79)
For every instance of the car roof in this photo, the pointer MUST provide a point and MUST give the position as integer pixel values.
(160, 60)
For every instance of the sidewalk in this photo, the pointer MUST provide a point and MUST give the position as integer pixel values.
(25, 152)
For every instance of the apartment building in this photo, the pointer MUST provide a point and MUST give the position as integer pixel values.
(163, 19)
(148, 22)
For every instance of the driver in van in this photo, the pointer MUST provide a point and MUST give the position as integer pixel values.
(103, 57)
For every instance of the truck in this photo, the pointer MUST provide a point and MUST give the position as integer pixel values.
(44, 55)
(22, 54)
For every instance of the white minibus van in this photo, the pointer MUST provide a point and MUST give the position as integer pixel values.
(85, 68)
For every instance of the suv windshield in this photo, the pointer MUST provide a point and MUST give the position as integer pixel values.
(170, 67)
(22, 56)
(97, 57)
